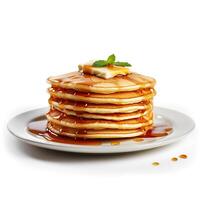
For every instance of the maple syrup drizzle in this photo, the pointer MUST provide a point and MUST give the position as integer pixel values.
(38, 127)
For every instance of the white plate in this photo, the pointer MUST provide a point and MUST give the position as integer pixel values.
(181, 123)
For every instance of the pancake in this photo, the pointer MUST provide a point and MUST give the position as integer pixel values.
(91, 83)
(94, 134)
(100, 108)
(84, 105)
(60, 118)
(115, 117)
(116, 98)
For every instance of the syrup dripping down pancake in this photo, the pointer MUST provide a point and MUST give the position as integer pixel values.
(100, 108)
(95, 134)
(90, 83)
(60, 118)
(115, 98)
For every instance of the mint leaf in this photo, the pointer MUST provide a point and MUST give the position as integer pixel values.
(111, 59)
(123, 64)
(100, 63)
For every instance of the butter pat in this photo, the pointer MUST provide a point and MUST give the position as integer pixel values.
(104, 72)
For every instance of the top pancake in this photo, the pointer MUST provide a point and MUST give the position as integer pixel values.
(90, 83)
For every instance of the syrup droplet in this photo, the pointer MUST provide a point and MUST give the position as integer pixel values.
(155, 164)
(183, 156)
(174, 159)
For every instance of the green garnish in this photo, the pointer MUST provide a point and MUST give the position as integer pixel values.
(124, 64)
(110, 61)
(100, 63)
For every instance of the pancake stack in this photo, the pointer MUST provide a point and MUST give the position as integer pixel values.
(89, 107)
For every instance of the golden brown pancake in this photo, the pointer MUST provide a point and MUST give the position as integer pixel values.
(100, 108)
(92, 134)
(90, 83)
(57, 117)
(107, 116)
(115, 98)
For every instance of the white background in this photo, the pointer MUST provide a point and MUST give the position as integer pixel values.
(43, 38)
